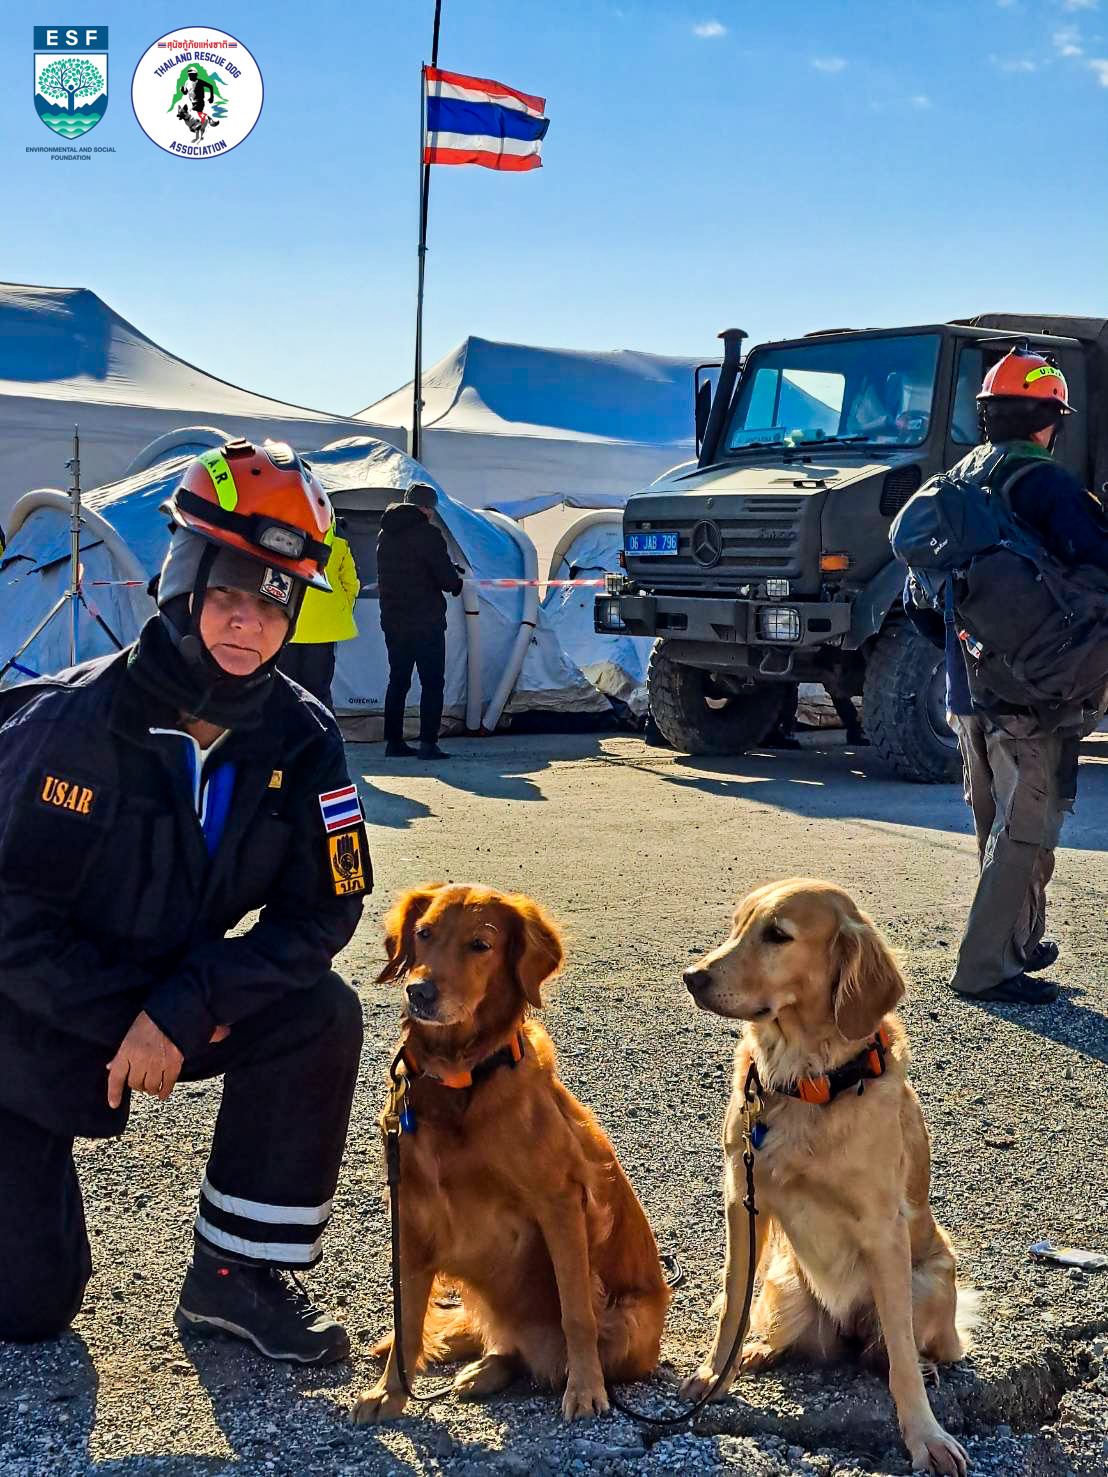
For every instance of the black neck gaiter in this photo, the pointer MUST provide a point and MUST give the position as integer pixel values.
(198, 689)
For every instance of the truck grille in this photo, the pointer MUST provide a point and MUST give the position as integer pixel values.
(750, 537)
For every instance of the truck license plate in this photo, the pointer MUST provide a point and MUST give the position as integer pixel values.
(650, 543)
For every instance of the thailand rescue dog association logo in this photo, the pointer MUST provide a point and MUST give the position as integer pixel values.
(71, 77)
(197, 92)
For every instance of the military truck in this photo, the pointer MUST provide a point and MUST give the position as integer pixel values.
(766, 561)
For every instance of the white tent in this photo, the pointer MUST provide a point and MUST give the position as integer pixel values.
(615, 665)
(520, 429)
(66, 358)
(491, 630)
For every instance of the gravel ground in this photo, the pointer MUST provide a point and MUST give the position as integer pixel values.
(641, 854)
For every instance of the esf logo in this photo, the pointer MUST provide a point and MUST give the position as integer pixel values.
(197, 92)
(71, 77)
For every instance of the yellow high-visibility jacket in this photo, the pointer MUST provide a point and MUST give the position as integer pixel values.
(330, 616)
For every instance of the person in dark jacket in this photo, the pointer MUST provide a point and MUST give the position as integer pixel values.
(413, 572)
(1020, 781)
(149, 801)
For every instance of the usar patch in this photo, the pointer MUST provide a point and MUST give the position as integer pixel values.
(67, 794)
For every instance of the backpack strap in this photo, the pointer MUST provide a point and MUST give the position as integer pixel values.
(1003, 489)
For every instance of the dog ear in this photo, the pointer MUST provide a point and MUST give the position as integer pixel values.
(869, 980)
(538, 951)
(400, 922)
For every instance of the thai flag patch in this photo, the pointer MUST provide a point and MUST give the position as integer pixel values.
(341, 808)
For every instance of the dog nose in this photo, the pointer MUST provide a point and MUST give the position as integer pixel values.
(422, 996)
(696, 980)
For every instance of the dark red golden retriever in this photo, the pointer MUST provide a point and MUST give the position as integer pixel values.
(510, 1190)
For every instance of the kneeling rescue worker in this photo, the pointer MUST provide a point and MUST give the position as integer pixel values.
(149, 800)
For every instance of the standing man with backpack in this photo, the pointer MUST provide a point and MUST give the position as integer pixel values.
(1019, 752)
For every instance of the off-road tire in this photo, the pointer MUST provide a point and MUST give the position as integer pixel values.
(681, 701)
(903, 703)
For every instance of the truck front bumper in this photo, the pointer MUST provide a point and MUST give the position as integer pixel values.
(787, 624)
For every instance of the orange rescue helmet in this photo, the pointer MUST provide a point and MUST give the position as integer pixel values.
(266, 503)
(1022, 375)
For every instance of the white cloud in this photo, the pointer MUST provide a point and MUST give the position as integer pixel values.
(1080, 4)
(1099, 65)
(1013, 66)
(709, 29)
(921, 100)
(828, 63)
(1067, 41)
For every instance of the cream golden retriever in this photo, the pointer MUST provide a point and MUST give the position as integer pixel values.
(847, 1248)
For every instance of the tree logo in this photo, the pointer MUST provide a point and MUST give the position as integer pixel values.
(197, 92)
(71, 77)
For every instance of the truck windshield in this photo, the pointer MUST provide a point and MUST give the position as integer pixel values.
(872, 390)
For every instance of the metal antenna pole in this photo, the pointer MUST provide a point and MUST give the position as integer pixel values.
(424, 193)
(74, 466)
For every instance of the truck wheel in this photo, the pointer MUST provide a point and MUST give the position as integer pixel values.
(904, 701)
(698, 716)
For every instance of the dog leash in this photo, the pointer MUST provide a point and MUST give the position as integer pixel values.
(751, 1114)
(391, 1127)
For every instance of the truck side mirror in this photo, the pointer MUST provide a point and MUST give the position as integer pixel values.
(703, 406)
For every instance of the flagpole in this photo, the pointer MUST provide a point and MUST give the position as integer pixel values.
(424, 193)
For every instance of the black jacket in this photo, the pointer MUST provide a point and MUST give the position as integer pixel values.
(413, 570)
(109, 902)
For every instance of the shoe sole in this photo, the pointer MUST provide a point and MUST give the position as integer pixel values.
(200, 1323)
(991, 997)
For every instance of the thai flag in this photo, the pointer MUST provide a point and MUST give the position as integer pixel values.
(473, 121)
(340, 808)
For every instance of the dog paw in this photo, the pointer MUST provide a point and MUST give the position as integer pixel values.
(756, 1356)
(933, 1450)
(697, 1385)
(583, 1398)
(377, 1405)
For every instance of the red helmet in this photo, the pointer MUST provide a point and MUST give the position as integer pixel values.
(1021, 375)
(267, 504)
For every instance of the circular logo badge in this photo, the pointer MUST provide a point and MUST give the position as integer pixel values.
(197, 92)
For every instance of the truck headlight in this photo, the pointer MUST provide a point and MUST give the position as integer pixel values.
(606, 614)
(777, 589)
(779, 623)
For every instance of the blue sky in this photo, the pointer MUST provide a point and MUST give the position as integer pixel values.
(780, 166)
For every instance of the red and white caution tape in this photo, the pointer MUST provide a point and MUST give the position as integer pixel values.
(531, 584)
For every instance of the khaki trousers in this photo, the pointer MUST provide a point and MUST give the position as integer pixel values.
(1019, 783)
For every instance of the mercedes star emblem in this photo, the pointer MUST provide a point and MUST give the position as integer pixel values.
(707, 543)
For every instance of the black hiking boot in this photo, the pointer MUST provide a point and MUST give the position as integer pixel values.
(432, 751)
(1043, 955)
(398, 749)
(1021, 989)
(266, 1306)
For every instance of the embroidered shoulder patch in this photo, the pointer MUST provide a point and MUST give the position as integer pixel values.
(67, 794)
(276, 779)
(340, 808)
(346, 851)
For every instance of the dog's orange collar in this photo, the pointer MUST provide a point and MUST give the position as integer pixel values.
(868, 1064)
(508, 1056)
